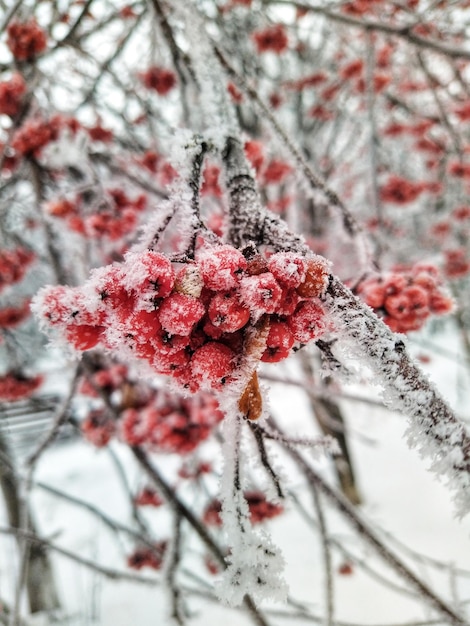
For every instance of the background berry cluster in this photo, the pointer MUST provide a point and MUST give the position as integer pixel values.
(406, 297)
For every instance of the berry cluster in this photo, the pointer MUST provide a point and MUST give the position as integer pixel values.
(117, 216)
(170, 423)
(15, 386)
(148, 497)
(158, 79)
(457, 263)
(11, 316)
(98, 428)
(105, 379)
(259, 509)
(148, 557)
(26, 39)
(271, 39)
(34, 135)
(193, 323)
(11, 95)
(13, 265)
(406, 298)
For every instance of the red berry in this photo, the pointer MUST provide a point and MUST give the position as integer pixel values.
(171, 364)
(227, 313)
(179, 313)
(221, 267)
(144, 325)
(149, 275)
(278, 343)
(262, 293)
(159, 79)
(288, 268)
(288, 303)
(98, 428)
(211, 515)
(212, 364)
(308, 321)
(316, 278)
(260, 509)
(84, 337)
(26, 39)
(148, 497)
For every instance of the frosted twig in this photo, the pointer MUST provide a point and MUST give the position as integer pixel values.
(314, 179)
(112, 524)
(172, 568)
(325, 542)
(113, 574)
(59, 420)
(258, 435)
(341, 504)
(181, 509)
(403, 32)
(9, 15)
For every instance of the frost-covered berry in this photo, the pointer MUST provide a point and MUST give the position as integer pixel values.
(84, 337)
(308, 321)
(316, 278)
(288, 268)
(221, 267)
(61, 305)
(373, 294)
(134, 427)
(262, 293)
(179, 313)
(256, 265)
(212, 364)
(171, 364)
(144, 325)
(227, 313)
(148, 274)
(278, 343)
(288, 303)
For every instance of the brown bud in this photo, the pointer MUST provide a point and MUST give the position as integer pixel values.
(251, 402)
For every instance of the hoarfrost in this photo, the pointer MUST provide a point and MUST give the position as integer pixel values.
(255, 565)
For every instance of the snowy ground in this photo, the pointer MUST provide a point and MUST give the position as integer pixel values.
(400, 496)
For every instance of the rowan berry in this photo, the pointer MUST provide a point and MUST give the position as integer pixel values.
(148, 497)
(221, 267)
(212, 364)
(84, 337)
(261, 293)
(308, 321)
(179, 313)
(278, 343)
(227, 313)
(288, 268)
(159, 79)
(316, 278)
(260, 509)
(11, 95)
(149, 275)
(26, 39)
(98, 428)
